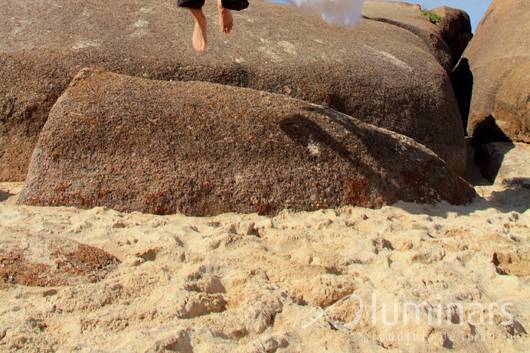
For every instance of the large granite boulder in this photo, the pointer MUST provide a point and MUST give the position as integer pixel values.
(380, 72)
(496, 66)
(202, 149)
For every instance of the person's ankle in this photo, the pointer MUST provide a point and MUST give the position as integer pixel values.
(200, 17)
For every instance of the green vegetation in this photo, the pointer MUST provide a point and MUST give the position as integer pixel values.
(434, 18)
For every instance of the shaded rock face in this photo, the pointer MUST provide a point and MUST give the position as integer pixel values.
(380, 72)
(202, 149)
(447, 37)
(505, 163)
(496, 67)
(455, 29)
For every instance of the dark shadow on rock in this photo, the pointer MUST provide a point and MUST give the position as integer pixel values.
(337, 102)
(344, 121)
(463, 87)
(515, 198)
(488, 131)
(336, 116)
(489, 162)
(473, 173)
(518, 182)
(304, 131)
(512, 199)
(5, 195)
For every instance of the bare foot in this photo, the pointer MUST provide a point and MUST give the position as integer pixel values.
(199, 39)
(226, 20)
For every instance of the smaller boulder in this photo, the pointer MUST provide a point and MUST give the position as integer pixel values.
(446, 30)
(455, 29)
(202, 149)
(40, 261)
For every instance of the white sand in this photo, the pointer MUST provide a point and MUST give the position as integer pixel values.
(246, 283)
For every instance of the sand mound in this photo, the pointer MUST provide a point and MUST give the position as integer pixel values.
(45, 262)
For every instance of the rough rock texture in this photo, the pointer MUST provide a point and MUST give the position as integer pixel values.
(201, 149)
(380, 72)
(455, 29)
(512, 103)
(505, 162)
(447, 37)
(496, 65)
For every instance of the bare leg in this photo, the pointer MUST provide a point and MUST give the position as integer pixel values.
(199, 39)
(226, 20)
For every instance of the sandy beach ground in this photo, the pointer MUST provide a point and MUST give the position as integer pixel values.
(329, 281)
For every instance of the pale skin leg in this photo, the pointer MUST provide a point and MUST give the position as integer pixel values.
(199, 39)
(226, 21)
